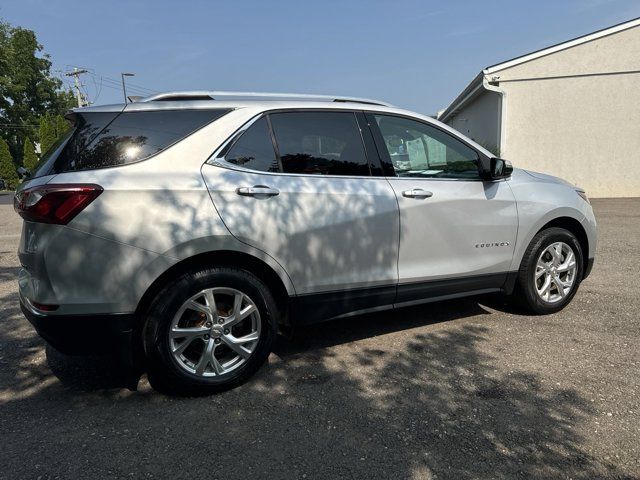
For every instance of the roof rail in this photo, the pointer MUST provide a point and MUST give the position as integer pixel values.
(216, 95)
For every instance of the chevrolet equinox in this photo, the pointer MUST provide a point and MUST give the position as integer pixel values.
(186, 228)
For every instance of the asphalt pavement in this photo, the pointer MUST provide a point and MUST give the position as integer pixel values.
(6, 198)
(461, 389)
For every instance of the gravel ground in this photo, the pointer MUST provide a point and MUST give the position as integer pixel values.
(461, 389)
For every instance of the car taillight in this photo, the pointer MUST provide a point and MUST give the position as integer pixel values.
(56, 204)
(45, 307)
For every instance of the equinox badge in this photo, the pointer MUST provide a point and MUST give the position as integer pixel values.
(493, 244)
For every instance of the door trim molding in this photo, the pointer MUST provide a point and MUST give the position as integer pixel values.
(307, 309)
(412, 291)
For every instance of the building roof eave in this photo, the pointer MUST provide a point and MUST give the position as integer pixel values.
(470, 92)
(475, 87)
(563, 45)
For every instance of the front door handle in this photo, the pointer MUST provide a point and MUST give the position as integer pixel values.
(258, 191)
(417, 193)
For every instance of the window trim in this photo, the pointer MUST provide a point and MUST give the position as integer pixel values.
(387, 163)
(274, 143)
(217, 158)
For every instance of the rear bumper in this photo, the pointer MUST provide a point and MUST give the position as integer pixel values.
(82, 334)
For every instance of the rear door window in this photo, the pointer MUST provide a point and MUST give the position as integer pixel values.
(320, 143)
(107, 140)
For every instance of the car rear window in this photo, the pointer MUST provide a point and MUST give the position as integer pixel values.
(110, 139)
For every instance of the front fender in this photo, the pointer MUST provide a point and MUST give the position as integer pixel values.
(540, 201)
(530, 228)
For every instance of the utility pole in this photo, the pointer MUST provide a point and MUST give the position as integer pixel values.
(124, 88)
(76, 73)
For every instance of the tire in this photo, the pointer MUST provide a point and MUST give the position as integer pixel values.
(528, 286)
(176, 369)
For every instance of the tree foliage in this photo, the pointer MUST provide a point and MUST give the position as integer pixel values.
(7, 168)
(52, 127)
(29, 157)
(47, 133)
(27, 89)
(62, 125)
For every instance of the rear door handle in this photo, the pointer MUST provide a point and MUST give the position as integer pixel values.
(417, 193)
(258, 191)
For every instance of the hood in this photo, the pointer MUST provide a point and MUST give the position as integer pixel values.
(549, 178)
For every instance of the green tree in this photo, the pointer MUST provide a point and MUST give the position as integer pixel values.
(51, 129)
(7, 168)
(27, 89)
(47, 133)
(62, 125)
(29, 157)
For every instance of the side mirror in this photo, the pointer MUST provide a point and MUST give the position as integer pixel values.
(500, 168)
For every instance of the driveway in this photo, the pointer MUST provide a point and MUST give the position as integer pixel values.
(6, 198)
(461, 389)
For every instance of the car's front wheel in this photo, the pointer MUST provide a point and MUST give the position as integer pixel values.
(550, 272)
(208, 331)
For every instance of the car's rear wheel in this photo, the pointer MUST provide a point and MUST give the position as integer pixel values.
(550, 272)
(208, 331)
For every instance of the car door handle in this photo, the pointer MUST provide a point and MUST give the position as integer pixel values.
(258, 191)
(417, 193)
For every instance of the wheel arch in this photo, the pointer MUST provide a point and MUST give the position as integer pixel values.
(575, 227)
(219, 258)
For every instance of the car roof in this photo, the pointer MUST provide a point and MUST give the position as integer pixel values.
(262, 102)
(257, 106)
(226, 95)
(196, 99)
(231, 105)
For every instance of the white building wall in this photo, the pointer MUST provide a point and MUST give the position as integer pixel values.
(575, 114)
(585, 130)
(480, 120)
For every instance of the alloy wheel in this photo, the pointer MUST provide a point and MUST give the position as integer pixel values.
(555, 272)
(215, 332)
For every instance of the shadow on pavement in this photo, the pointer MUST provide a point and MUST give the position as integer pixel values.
(434, 406)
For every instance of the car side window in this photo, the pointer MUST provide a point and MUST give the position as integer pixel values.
(417, 149)
(254, 149)
(111, 139)
(320, 143)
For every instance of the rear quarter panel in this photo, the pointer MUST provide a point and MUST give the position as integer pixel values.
(151, 215)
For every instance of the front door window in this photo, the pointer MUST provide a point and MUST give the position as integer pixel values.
(417, 149)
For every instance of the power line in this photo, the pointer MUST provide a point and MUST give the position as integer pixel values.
(130, 86)
(117, 82)
(99, 82)
(130, 90)
(97, 90)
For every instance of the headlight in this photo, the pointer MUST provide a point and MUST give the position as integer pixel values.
(583, 194)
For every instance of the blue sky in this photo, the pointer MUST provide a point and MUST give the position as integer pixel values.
(415, 54)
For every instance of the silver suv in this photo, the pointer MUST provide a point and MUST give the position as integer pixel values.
(186, 228)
